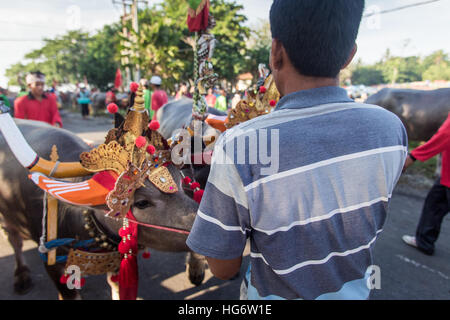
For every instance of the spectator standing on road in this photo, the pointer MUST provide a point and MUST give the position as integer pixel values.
(37, 105)
(84, 101)
(313, 212)
(221, 101)
(159, 96)
(210, 98)
(111, 96)
(147, 97)
(183, 92)
(4, 97)
(437, 202)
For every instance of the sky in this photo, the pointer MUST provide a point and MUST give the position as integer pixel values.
(413, 31)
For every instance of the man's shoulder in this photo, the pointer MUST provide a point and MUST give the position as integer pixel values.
(22, 100)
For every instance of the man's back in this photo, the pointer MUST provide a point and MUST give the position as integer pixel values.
(314, 216)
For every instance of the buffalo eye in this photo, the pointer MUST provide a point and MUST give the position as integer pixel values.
(142, 204)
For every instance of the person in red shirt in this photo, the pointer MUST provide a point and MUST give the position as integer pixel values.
(437, 202)
(159, 96)
(37, 105)
(211, 98)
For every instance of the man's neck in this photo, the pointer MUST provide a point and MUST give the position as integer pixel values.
(296, 82)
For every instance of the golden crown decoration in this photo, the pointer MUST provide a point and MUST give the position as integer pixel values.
(136, 152)
(255, 104)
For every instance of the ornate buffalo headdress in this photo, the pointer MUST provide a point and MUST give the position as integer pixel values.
(131, 154)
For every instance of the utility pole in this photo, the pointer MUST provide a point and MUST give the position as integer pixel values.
(135, 23)
(130, 12)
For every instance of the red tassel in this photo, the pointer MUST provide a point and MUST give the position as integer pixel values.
(262, 89)
(146, 255)
(198, 195)
(128, 278)
(124, 247)
(63, 279)
(81, 283)
(123, 232)
(128, 273)
(273, 103)
(115, 278)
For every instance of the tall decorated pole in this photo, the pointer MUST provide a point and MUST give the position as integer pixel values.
(201, 22)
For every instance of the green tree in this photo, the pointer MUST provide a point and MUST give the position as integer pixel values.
(436, 66)
(102, 58)
(259, 46)
(164, 43)
(367, 75)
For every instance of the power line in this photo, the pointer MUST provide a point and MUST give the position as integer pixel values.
(400, 8)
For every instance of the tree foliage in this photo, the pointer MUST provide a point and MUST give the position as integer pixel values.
(393, 69)
(72, 57)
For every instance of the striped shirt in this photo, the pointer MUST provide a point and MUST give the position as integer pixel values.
(310, 189)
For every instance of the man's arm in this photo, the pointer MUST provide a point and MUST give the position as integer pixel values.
(438, 143)
(224, 269)
(222, 223)
(19, 110)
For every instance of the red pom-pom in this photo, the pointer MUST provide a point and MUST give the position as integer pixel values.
(112, 108)
(198, 195)
(154, 125)
(146, 255)
(195, 185)
(187, 180)
(63, 279)
(140, 142)
(115, 278)
(151, 149)
(262, 89)
(134, 86)
(273, 103)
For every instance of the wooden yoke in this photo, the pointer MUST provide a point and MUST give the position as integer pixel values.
(64, 170)
(52, 214)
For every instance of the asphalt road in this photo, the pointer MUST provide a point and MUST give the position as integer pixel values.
(405, 272)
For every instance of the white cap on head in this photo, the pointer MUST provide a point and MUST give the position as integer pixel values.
(34, 77)
(156, 80)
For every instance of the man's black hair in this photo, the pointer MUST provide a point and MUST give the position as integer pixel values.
(37, 73)
(318, 35)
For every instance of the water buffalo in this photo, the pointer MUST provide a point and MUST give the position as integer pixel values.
(175, 114)
(21, 204)
(422, 112)
(99, 105)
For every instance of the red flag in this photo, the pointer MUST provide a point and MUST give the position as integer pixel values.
(198, 13)
(118, 80)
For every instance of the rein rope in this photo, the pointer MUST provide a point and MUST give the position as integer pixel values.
(159, 227)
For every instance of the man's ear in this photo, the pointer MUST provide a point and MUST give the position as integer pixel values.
(351, 56)
(276, 55)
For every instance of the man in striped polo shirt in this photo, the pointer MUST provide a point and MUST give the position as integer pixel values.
(311, 186)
